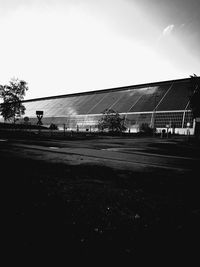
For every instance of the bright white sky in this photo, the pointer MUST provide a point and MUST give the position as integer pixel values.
(68, 46)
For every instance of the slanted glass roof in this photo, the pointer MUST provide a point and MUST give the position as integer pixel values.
(171, 95)
(136, 102)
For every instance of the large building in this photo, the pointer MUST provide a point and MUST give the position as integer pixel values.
(161, 105)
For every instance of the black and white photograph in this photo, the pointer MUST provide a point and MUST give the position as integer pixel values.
(100, 131)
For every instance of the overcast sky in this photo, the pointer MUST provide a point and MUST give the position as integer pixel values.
(68, 46)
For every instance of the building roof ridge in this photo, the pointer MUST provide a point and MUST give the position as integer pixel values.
(114, 89)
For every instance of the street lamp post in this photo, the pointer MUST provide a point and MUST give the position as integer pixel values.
(188, 129)
(167, 126)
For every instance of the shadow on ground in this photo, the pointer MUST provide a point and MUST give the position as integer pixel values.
(94, 211)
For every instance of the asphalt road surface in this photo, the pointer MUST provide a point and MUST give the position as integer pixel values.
(134, 154)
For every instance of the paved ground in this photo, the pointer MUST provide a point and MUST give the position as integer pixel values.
(135, 154)
(102, 197)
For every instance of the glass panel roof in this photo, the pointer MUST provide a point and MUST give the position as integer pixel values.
(136, 99)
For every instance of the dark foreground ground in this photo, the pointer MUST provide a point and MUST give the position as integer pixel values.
(98, 213)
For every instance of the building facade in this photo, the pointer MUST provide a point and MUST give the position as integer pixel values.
(161, 105)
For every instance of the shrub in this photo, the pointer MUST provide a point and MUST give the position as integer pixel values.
(53, 126)
(145, 128)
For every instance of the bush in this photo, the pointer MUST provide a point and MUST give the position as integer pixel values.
(112, 122)
(145, 128)
(53, 126)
